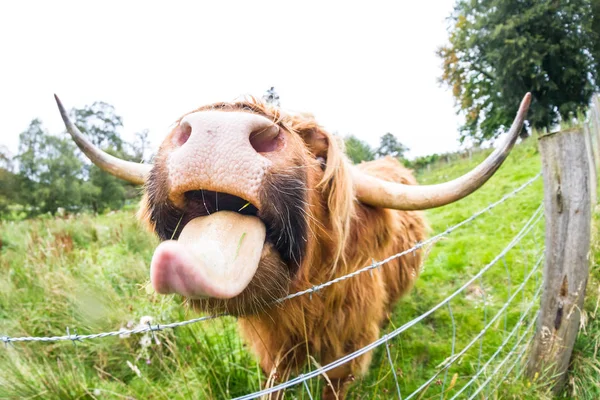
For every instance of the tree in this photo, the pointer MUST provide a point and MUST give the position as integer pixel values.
(60, 179)
(8, 181)
(596, 32)
(31, 147)
(49, 171)
(101, 124)
(140, 146)
(357, 150)
(389, 145)
(8, 189)
(501, 49)
(422, 162)
(271, 97)
(6, 161)
(105, 191)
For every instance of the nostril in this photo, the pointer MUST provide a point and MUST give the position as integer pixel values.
(266, 139)
(182, 133)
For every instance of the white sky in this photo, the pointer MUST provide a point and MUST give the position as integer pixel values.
(361, 68)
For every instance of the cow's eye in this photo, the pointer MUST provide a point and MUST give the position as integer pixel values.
(322, 162)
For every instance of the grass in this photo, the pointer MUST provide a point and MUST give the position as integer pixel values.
(584, 379)
(90, 273)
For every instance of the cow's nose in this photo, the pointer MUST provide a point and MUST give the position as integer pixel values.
(257, 131)
(222, 151)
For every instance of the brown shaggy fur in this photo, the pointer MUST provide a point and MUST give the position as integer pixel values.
(343, 236)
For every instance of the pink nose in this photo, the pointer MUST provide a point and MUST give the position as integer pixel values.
(221, 151)
(260, 132)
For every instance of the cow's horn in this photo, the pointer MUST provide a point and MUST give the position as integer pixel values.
(380, 193)
(129, 171)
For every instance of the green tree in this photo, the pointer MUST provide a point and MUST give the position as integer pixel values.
(60, 179)
(358, 150)
(53, 174)
(105, 192)
(8, 181)
(49, 171)
(422, 162)
(31, 148)
(501, 49)
(6, 161)
(101, 124)
(31, 145)
(140, 146)
(596, 36)
(389, 145)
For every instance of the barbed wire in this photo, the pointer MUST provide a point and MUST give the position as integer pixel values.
(535, 217)
(482, 332)
(532, 303)
(510, 353)
(501, 363)
(419, 245)
(376, 264)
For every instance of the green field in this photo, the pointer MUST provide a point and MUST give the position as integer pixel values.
(90, 274)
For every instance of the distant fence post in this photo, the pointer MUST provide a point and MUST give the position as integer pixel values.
(568, 224)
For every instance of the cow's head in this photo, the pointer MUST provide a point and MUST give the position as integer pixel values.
(243, 194)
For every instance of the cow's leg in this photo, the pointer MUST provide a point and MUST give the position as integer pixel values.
(337, 384)
(339, 379)
(279, 368)
(279, 355)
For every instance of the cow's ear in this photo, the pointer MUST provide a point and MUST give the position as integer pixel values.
(317, 142)
(315, 138)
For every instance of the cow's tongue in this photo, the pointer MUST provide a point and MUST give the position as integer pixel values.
(215, 256)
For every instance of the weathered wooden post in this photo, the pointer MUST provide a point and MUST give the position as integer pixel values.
(595, 119)
(596, 109)
(589, 147)
(568, 220)
(595, 140)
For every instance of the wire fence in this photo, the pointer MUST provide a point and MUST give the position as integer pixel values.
(309, 291)
(527, 228)
(512, 347)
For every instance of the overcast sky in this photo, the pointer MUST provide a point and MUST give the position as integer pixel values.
(360, 68)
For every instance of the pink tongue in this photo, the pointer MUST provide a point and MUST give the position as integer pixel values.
(215, 256)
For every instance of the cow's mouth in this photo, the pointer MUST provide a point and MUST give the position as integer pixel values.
(215, 250)
(200, 203)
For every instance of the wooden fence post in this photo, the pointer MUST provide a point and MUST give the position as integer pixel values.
(594, 127)
(589, 147)
(595, 140)
(595, 119)
(568, 222)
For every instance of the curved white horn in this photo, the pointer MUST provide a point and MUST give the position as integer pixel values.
(129, 171)
(379, 193)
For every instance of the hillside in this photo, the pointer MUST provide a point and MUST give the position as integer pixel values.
(90, 273)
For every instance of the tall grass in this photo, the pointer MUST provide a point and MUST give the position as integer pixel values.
(90, 274)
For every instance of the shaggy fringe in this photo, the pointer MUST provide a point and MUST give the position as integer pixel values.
(335, 185)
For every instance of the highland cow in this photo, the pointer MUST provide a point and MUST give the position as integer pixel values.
(252, 203)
